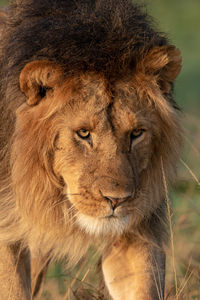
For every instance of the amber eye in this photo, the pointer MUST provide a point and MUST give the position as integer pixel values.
(83, 133)
(136, 133)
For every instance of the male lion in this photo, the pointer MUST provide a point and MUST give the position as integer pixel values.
(89, 135)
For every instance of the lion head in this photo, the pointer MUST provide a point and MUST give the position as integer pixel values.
(100, 143)
(92, 127)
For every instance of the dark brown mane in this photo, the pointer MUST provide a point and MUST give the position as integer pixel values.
(103, 36)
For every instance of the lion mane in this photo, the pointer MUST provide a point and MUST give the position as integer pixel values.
(56, 57)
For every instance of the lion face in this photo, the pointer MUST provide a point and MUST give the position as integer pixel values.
(106, 142)
(93, 147)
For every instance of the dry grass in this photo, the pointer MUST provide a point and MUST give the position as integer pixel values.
(185, 198)
(183, 257)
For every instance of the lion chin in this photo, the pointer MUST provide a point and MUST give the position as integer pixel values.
(113, 226)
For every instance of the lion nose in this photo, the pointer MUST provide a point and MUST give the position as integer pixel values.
(116, 201)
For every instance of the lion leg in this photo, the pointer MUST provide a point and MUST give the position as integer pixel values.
(134, 272)
(14, 273)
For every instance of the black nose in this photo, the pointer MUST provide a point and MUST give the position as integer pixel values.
(116, 201)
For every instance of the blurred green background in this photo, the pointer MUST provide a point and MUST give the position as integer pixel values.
(3, 2)
(180, 19)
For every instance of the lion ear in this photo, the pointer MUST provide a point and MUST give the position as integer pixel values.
(36, 78)
(165, 64)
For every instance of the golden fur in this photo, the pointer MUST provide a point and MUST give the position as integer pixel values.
(61, 192)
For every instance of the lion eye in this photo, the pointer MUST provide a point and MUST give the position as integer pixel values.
(136, 133)
(83, 133)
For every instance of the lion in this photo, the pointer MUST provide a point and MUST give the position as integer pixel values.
(90, 136)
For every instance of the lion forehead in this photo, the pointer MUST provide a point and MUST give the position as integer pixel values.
(93, 95)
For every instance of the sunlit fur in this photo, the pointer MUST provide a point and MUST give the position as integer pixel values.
(54, 185)
(103, 226)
